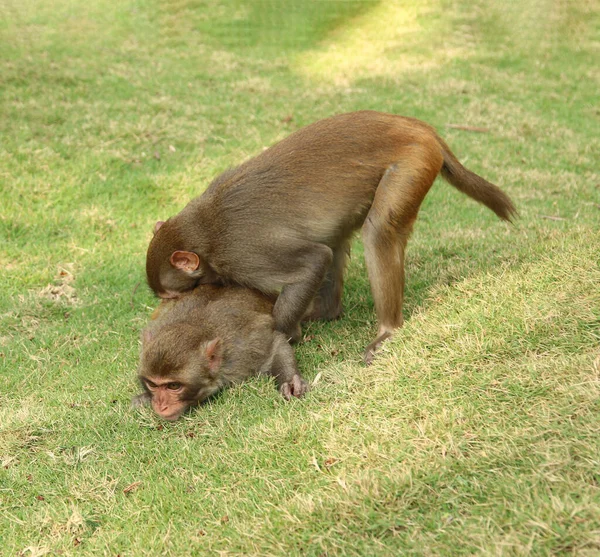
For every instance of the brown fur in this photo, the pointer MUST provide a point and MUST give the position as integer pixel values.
(281, 222)
(207, 339)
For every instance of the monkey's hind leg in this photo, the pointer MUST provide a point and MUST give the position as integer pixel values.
(386, 231)
(284, 368)
(327, 304)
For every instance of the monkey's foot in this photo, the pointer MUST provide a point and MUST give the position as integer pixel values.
(374, 347)
(296, 386)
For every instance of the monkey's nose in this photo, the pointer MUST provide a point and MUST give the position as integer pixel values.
(169, 417)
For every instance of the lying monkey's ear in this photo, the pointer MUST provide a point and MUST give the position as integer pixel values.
(214, 354)
(158, 225)
(185, 260)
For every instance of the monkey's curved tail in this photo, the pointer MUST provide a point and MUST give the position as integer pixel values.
(475, 186)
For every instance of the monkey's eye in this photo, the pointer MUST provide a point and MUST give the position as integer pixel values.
(149, 384)
(174, 386)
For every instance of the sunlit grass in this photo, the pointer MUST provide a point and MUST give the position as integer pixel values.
(380, 43)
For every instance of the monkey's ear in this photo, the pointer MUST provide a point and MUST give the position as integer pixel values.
(214, 354)
(158, 225)
(185, 260)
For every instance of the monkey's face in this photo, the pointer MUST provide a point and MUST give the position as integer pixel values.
(170, 399)
(166, 396)
(178, 370)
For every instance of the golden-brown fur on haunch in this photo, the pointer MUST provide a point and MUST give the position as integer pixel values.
(282, 221)
(207, 339)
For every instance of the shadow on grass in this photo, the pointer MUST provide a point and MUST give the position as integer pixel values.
(267, 24)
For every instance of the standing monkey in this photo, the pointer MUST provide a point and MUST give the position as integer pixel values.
(282, 221)
(208, 339)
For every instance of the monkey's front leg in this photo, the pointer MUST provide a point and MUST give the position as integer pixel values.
(327, 304)
(306, 267)
(285, 369)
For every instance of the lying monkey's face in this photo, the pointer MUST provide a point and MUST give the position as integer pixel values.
(166, 397)
(177, 371)
(170, 399)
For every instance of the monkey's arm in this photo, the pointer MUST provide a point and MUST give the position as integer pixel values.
(285, 370)
(307, 265)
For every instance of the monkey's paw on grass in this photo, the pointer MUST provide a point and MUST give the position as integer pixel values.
(296, 386)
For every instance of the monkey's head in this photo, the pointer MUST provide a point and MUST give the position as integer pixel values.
(170, 268)
(179, 368)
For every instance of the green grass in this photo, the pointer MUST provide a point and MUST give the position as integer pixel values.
(477, 431)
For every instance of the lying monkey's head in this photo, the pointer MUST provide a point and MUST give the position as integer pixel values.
(178, 369)
(170, 269)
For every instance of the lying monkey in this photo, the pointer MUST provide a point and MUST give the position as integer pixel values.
(283, 221)
(207, 339)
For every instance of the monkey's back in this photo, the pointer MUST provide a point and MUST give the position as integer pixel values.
(241, 317)
(318, 183)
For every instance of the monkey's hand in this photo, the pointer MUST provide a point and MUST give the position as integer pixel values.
(140, 400)
(296, 386)
(295, 336)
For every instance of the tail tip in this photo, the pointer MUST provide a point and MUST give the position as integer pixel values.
(509, 213)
